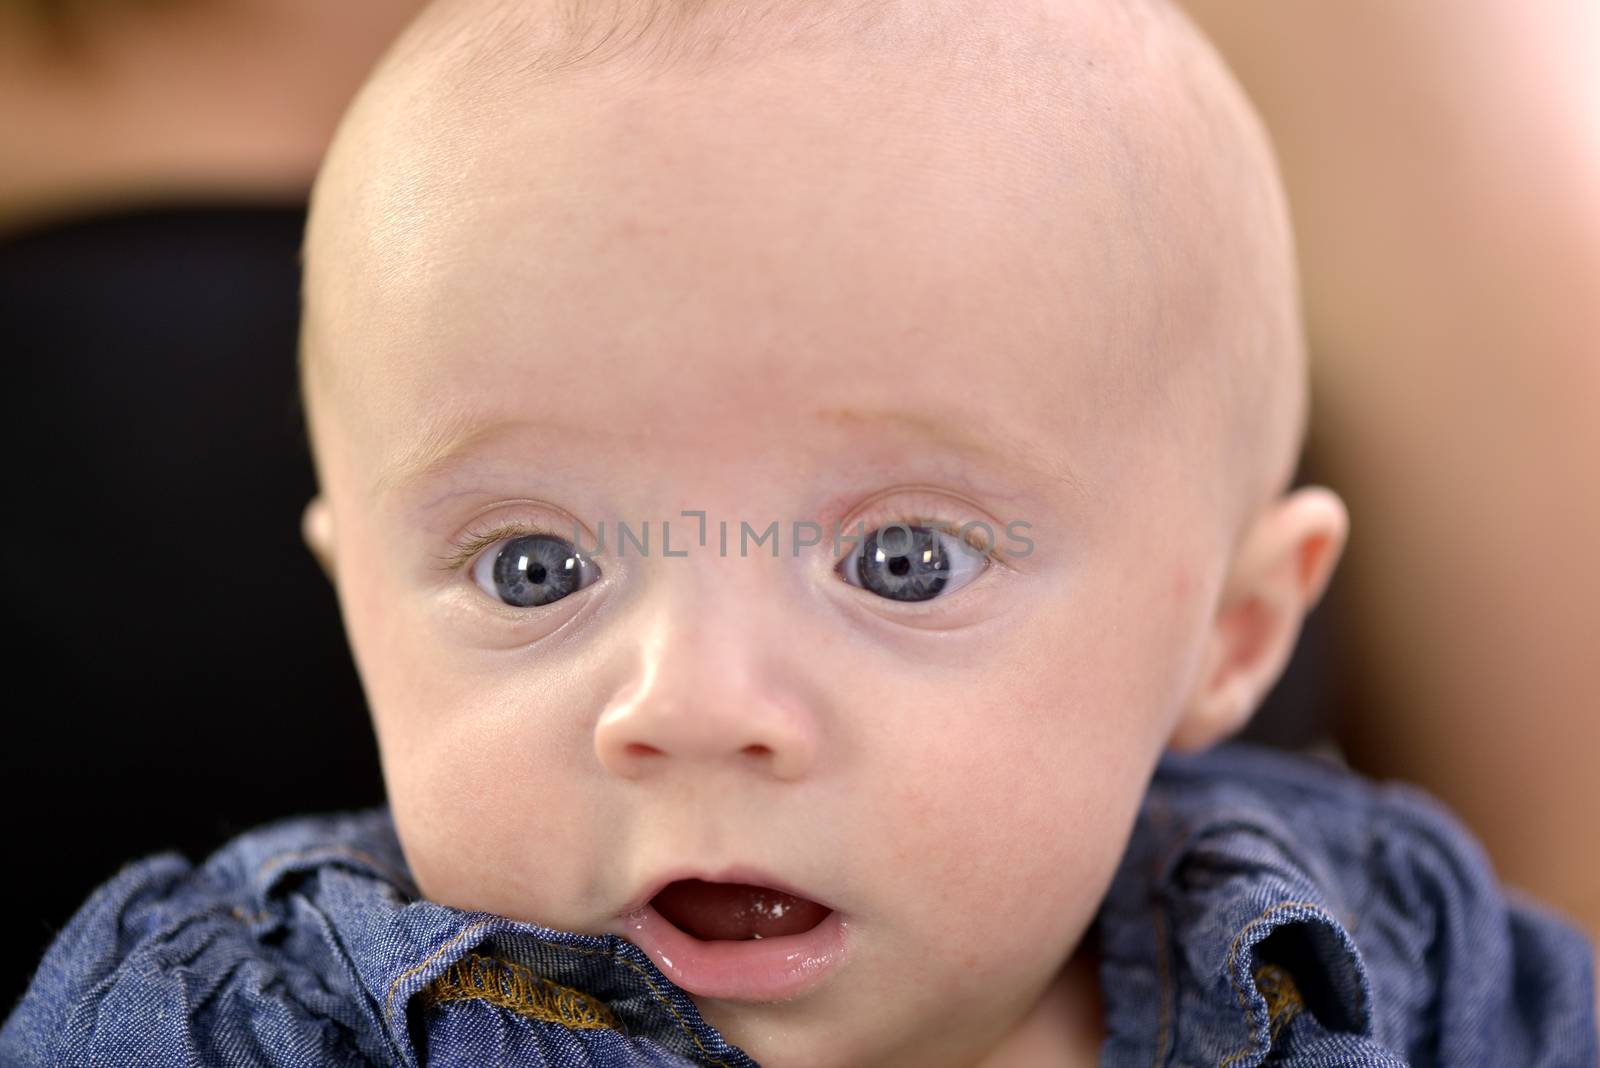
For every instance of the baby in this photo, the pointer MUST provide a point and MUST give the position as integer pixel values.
(808, 486)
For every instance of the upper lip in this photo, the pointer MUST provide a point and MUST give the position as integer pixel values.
(738, 873)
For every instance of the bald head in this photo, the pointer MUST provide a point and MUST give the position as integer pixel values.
(613, 172)
(853, 263)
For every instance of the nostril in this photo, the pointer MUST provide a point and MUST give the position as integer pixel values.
(758, 750)
(639, 749)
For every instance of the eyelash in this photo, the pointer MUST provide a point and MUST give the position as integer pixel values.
(472, 542)
(914, 514)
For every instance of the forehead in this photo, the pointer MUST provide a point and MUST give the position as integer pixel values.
(732, 259)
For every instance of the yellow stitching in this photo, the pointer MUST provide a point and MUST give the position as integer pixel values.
(1166, 985)
(682, 1023)
(388, 1003)
(1283, 997)
(1238, 991)
(1179, 844)
(513, 986)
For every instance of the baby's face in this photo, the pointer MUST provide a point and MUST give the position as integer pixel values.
(756, 300)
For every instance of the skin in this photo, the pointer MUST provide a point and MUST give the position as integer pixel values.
(746, 293)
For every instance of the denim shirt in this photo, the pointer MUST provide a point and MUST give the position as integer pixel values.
(1270, 909)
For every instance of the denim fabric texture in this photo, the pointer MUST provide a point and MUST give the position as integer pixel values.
(1270, 909)
(1276, 909)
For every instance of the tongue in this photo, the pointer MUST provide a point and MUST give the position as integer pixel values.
(735, 911)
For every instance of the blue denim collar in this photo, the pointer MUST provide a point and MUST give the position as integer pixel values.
(1177, 940)
(1227, 930)
(1209, 877)
(403, 951)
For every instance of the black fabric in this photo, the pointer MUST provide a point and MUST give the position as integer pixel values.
(178, 672)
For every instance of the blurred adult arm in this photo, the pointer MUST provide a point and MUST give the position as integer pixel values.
(116, 102)
(1443, 166)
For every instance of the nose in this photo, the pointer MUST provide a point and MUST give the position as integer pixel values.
(706, 695)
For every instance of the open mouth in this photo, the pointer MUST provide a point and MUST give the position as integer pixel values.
(732, 912)
(739, 941)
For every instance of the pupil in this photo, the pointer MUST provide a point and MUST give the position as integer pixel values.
(903, 564)
(536, 570)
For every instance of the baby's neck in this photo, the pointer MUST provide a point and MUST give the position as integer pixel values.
(1067, 1026)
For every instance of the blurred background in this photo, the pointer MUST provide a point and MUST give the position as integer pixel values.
(180, 671)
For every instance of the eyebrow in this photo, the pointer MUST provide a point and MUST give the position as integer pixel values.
(449, 442)
(446, 443)
(966, 437)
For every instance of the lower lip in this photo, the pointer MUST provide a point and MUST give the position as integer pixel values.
(755, 969)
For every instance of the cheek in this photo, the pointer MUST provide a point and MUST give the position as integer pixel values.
(1017, 801)
(481, 811)
(485, 783)
(1014, 823)
(498, 780)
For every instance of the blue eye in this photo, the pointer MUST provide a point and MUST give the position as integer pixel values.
(533, 570)
(903, 562)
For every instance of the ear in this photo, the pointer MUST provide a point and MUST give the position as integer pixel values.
(316, 527)
(1279, 572)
